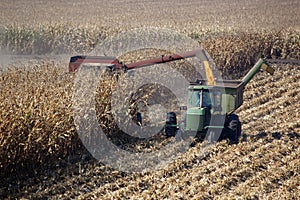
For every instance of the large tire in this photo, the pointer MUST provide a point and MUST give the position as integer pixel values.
(171, 124)
(233, 128)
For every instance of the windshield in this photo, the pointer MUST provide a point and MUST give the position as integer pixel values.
(200, 98)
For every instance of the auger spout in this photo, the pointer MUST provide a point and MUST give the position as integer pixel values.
(261, 64)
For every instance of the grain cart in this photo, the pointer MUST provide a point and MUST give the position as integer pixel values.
(211, 103)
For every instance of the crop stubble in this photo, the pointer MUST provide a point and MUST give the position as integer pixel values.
(36, 119)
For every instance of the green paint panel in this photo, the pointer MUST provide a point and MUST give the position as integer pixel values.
(194, 119)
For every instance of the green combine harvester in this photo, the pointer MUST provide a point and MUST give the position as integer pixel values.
(211, 103)
(211, 106)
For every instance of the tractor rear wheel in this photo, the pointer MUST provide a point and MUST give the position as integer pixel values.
(233, 128)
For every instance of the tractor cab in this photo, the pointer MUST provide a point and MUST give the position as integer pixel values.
(200, 98)
(207, 102)
(203, 96)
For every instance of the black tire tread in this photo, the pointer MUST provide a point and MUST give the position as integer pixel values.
(233, 128)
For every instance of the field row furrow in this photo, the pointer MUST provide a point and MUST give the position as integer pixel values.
(289, 188)
(287, 101)
(279, 79)
(273, 93)
(270, 176)
(256, 161)
(210, 171)
(274, 119)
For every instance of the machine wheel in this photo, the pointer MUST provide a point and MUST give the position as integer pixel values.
(233, 128)
(171, 124)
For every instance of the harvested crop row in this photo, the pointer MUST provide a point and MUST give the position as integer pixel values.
(209, 170)
(272, 174)
(194, 179)
(272, 105)
(199, 170)
(41, 156)
(255, 146)
(45, 88)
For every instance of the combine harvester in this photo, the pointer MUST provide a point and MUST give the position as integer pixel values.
(211, 103)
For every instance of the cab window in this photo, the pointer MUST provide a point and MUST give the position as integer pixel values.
(200, 98)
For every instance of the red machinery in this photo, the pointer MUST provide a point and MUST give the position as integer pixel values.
(76, 61)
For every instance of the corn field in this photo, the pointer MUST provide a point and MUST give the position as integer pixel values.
(41, 154)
